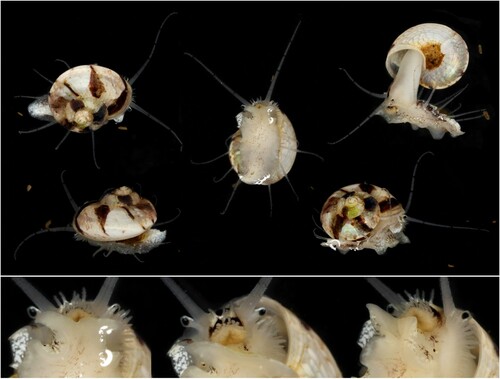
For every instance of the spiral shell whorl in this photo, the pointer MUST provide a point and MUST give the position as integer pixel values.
(445, 53)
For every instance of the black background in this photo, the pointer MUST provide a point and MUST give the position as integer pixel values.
(243, 44)
(335, 307)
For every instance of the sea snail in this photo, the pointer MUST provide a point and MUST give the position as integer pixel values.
(120, 221)
(429, 55)
(87, 97)
(252, 336)
(417, 338)
(78, 338)
(365, 216)
(263, 149)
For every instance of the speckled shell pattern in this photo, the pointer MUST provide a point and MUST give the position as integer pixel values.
(120, 214)
(445, 52)
(87, 97)
(363, 216)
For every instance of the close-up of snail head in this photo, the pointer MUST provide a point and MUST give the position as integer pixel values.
(417, 338)
(251, 336)
(78, 338)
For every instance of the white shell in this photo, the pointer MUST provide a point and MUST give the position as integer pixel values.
(264, 148)
(429, 55)
(420, 339)
(433, 56)
(363, 216)
(88, 96)
(78, 338)
(251, 337)
(445, 54)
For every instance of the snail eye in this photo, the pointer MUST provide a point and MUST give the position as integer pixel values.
(466, 315)
(186, 321)
(391, 309)
(261, 311)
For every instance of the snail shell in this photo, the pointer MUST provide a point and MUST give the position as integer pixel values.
(421, 339)
(363, 216)
(252, 336)
(264, 148)
(444, 51)
(120, 221)
(118, 215)
(85, 98)
(78, 338)
(428, 55)
(433, 56)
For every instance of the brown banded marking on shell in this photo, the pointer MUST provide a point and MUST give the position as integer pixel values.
(86, 97)
(120, 221)
(120, 214)
(445, 54)
(421, 339)
(264, 148)
(78, 338)
(363, 216)
(252, 336)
